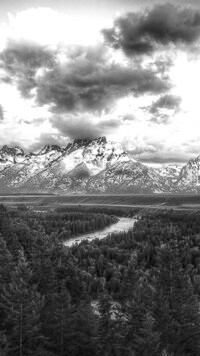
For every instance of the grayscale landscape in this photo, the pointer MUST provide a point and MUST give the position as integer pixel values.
(99, 178)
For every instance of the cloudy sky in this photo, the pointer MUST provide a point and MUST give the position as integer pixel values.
(129, 70)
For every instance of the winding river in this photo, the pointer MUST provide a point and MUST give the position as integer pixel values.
(124, 224)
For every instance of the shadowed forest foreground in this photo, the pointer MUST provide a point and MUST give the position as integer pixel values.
(132, 294)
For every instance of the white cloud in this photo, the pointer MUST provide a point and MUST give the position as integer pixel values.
(49, 27)
(46, 26)
(17, 108)
(185, 74)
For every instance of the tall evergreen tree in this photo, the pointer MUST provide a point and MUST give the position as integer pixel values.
(176, 306)
(147, 342)
(23, 305)
(57, 320)
(6, 263)
(6, 266)
(106, 332)
(83, 330)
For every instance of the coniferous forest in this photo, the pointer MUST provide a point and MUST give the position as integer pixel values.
(134, 293)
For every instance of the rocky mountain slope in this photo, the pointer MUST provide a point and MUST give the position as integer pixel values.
(170, 173)
(189, 177)
(89, 166)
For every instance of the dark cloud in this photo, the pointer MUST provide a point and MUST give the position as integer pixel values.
(162, 64)
(1, 113)
(83, 127)
(5, 79)
(167, 101)
(21, 60)
(139, 33)
(171, 105)
(25, 55)
(88, 81)
(94, 87)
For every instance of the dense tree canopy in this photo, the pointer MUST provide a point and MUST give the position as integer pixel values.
(133, 293)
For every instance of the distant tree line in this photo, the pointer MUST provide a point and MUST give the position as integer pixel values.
(65, 224)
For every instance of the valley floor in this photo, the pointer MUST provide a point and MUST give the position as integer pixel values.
(149, 201)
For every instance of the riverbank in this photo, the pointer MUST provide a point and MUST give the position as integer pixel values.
(123, 224)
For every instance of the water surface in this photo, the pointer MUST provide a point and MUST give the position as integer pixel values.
(124, 224)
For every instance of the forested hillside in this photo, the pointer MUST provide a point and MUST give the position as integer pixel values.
(134, 293)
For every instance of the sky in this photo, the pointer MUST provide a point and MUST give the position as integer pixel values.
(128, 70)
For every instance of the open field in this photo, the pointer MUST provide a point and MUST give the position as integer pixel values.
(160, 201)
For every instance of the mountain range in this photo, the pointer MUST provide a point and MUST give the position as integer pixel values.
(90, 166)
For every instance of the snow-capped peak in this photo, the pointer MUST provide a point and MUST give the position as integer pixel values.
(96, 154)
(11, 151)
(10, 155)
(88, 165)
(48, 148)
(86, 141)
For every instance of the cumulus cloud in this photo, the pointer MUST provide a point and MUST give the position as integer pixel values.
(128, 118)
(164, 108)
(1, 113)
(140, 33)
(84, 127)
(163, 63)
(86, 80)
(21, 60)
(149, 150)
(94, 88)
(75, 91)
(167, 101)
(161, 118)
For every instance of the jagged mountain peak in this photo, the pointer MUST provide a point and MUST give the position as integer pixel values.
(10, 155)
(193, 161)
(12, 151)
(171, 170)
(79, 142)
(189, 177)
(90, 165)
(48, 148)
(76, 144)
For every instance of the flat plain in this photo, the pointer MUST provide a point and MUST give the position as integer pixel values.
(150, 201)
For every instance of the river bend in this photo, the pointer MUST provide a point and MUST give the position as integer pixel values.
(124, 224)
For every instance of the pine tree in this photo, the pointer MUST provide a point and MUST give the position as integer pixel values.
(58, 320)
(106, 332)
(6, 263)
(148, 339)
(23, 306)
(137, 323)
(41, 264)
(83, 330)
(6, 266)
(176, 307)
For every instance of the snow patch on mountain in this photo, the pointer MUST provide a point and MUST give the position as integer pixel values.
(90, 166)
